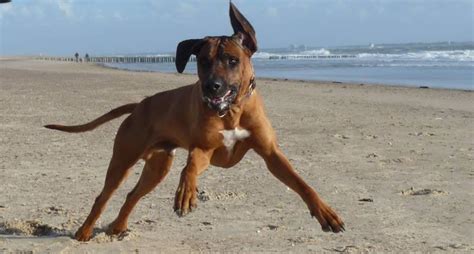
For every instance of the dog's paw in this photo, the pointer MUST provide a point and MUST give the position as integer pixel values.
(116, 228)
(83, 235)
(329, 220)
(186, 196)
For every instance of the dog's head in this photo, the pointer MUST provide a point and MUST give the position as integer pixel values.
(224, 63)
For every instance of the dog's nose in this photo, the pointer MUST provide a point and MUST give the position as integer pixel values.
(214, 85)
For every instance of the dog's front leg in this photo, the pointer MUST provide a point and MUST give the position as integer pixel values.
(185, 199)
(280, 167)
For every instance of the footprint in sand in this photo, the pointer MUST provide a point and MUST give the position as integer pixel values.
(30, 228)
(419, 192)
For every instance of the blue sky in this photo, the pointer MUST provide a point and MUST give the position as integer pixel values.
(62, 27)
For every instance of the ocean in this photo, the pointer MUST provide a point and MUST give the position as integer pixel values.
(437, 65)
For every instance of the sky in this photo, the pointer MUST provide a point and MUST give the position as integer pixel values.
(102, 27)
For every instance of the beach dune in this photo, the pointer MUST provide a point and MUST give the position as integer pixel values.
(394, 162)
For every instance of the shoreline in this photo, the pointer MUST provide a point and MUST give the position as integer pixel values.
(104, 65)
(300, 80)
(394, 162)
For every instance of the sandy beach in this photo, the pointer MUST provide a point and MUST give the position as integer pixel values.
(396, 163)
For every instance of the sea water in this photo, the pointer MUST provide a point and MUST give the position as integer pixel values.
(440, 65)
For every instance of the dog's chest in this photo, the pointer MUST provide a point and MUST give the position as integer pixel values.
(230, 137)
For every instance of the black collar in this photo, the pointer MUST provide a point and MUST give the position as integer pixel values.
(252, 87)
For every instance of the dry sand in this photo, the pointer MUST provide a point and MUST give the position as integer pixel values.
(396, 163)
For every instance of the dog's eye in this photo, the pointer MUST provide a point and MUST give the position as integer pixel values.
(233, 61)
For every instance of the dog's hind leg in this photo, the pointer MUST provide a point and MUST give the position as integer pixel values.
(127, 151)
(116, 173)
(154, 171)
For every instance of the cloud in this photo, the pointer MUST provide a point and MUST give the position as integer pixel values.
(66, 7)
(21, 10)
(99, 14)
(186, 9)
(5, 9)
(118, 16)
(37, 9)
(272, 12)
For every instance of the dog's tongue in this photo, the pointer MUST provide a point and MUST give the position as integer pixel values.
(217, 100)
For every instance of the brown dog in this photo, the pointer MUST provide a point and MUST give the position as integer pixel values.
(217, 120)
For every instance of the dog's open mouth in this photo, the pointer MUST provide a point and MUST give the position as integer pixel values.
(221, 103)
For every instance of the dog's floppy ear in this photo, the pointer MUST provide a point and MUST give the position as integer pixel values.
(184, 51)
(241, 25)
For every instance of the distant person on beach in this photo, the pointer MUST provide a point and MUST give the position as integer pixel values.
(86, 57)
(76, 56)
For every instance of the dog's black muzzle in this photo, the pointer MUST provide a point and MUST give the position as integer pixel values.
(219, 96)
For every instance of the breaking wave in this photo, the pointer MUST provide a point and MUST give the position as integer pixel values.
(449, 55)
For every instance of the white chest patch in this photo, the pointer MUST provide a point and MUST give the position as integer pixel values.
(232, 136)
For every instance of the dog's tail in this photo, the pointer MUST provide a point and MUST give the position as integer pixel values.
(114, 113)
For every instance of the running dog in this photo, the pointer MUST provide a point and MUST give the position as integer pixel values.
(217, 120)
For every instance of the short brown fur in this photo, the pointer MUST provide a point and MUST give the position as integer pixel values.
(179, 119)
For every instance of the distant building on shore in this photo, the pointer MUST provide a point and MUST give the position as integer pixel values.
(297, 48)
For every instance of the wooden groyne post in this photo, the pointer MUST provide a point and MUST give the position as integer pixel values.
(171, 59)
(115, 59)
